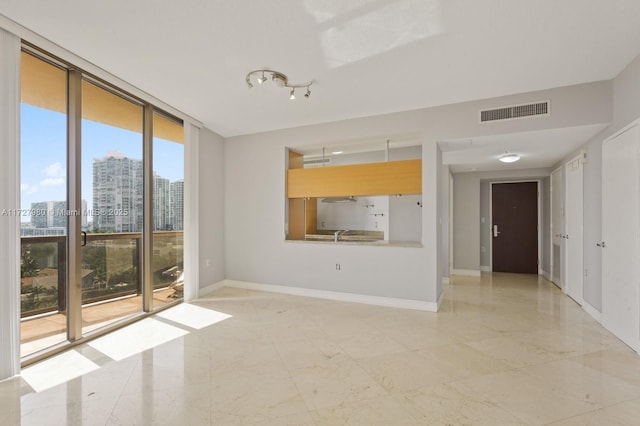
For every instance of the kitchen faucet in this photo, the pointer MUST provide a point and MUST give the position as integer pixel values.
(337, 234)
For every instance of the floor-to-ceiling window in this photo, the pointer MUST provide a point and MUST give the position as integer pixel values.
(43, 194)
(112, 196)
(168, 208)
(87, 204)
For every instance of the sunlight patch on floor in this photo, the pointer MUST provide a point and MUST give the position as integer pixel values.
(193, 316)
(56, 370)
(136, 338)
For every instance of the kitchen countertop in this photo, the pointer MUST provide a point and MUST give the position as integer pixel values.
(379, 243)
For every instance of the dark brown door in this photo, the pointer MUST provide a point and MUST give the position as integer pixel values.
(515, 227)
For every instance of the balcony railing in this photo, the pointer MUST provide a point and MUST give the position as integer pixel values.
(111, 268)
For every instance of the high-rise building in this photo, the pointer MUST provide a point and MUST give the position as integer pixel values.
(53, 214)
(168, 204)
(117, 194)
(118, 197)
(176, 205)
(161, 197)
(48, 214)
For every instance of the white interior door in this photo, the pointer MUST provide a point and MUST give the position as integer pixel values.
(557, 226)
(573, 229)
(621, 236)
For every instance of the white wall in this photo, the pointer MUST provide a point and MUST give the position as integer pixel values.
(255, 182)
(485, 228)
(437, 177)
(405, 218)
(366, 214)
(545, 208)
(257, 252)
(625, 107)
(467, 205)
(212, 229)
(466, 215)
(626, 96)
(445, 210)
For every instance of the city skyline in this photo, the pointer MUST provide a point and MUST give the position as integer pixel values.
(43, 155)
(109, 177)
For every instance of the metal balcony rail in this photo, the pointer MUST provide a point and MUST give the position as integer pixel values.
(44, 268)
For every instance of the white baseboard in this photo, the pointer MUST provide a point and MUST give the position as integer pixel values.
(595, 314)
(391, 302)
(466, 272)
(545, 274)
(486, 268)
(440, 299)
(203, 291)
(446, 280)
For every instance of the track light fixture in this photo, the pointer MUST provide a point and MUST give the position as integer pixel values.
(279, 79)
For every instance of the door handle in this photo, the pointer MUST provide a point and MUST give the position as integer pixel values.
(495, 231)
(84, 238)
(602, 244)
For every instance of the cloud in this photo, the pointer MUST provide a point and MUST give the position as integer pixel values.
(54, 170)
(52, 181)
(28, 189)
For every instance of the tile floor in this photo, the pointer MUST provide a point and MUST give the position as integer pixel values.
(504, 349)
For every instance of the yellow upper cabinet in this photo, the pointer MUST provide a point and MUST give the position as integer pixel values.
(391, 177)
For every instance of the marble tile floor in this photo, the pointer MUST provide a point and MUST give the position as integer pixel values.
(504, 349)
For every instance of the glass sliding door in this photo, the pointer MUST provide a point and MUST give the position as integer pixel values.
(102, 206)
(43, 146)
(168, 210)
(112, 200)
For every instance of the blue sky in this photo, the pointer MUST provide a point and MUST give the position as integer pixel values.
(43, 154)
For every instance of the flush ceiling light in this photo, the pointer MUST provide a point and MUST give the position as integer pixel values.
(279, 79)
(509, 157)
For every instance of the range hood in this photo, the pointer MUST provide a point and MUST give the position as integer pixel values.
(349, 199)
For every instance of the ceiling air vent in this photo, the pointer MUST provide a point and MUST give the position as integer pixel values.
(517, 111)
(316, 161)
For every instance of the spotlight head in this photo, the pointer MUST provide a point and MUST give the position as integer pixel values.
(279, 79)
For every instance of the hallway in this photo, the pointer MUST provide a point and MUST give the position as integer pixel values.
(504, 349)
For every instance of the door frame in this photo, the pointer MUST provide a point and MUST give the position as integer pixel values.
(450, 223)
(559, 169)
(567, 250)
(539, 215)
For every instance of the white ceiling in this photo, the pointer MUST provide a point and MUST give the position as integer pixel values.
(365, 56)
(537, 149)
